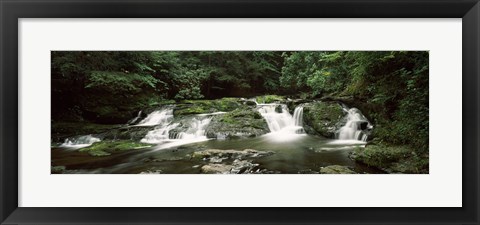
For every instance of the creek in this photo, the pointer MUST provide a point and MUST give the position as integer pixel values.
(173, 143)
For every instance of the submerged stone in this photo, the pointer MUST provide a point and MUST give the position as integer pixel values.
(152, 172)
(216, 168)
(232, 154)
(236, 167)
(336, 169)
(57, 169)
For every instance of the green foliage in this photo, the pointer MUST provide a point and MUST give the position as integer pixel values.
(117, 82)
(393, 159)
(390, 87)
(318, 72)
(381, 156)
(397, 82)
(189, 82)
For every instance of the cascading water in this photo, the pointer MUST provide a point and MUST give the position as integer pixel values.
(196, 129)
(283, 126)
(158, 117)
(160, 134)
(80, 141)
(187, 130)
(356, 127)
(298, 116)
(134, 120)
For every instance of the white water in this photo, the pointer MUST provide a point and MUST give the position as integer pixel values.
(194, 129)
(352, 129)
(298, 116)
(80, 142)
(283, 126)
(160, 134)
(134, 120)
(159, 117)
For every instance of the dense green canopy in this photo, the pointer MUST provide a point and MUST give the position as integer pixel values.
(390, 87)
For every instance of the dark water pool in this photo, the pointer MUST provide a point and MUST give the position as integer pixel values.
(292, 155)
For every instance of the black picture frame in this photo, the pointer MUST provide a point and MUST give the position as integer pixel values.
(12, 10)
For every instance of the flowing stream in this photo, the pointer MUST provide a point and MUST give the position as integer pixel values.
(283, 126)
(80, 141)
(174, 138)
(356, 126)
(168, 133)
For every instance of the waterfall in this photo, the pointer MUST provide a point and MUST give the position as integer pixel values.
(196, 129)
(134, 120)
(356, 127)
(159, 134)
(158, 117)
(281, 123)
(298, 116)
(191, 129)
(80, 141)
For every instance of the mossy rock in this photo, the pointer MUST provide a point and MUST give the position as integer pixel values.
(189, 107)
(242, 122)
(336, 169)
(392, 159)
(58, 169)
(105, 148)
(324, 118)
(132, 133)
(266, 99)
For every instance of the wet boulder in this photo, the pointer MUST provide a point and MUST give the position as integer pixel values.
(216, 168)
(392, 159)
(190, 107)
(230, 154)
(242, 122)
(236, 167)
(134, 133)
(106, 148)
(323, 118)
(336, 169)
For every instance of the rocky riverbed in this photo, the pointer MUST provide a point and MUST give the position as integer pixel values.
(264, 135)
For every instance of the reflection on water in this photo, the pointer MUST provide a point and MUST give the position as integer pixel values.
(301, 154)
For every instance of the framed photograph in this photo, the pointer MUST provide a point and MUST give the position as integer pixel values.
(239, 112)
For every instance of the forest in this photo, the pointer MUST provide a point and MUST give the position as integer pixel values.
(220, 111)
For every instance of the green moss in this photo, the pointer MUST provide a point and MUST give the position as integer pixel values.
(238, 116)
(336, 169)
(270, 99)
(393, 159)
(195, 110)
(323, 117)
(227, 104)
(243, 121)
(105, 148)
(188, 107)
(228, 119)
(95, 152)
(58, 169)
